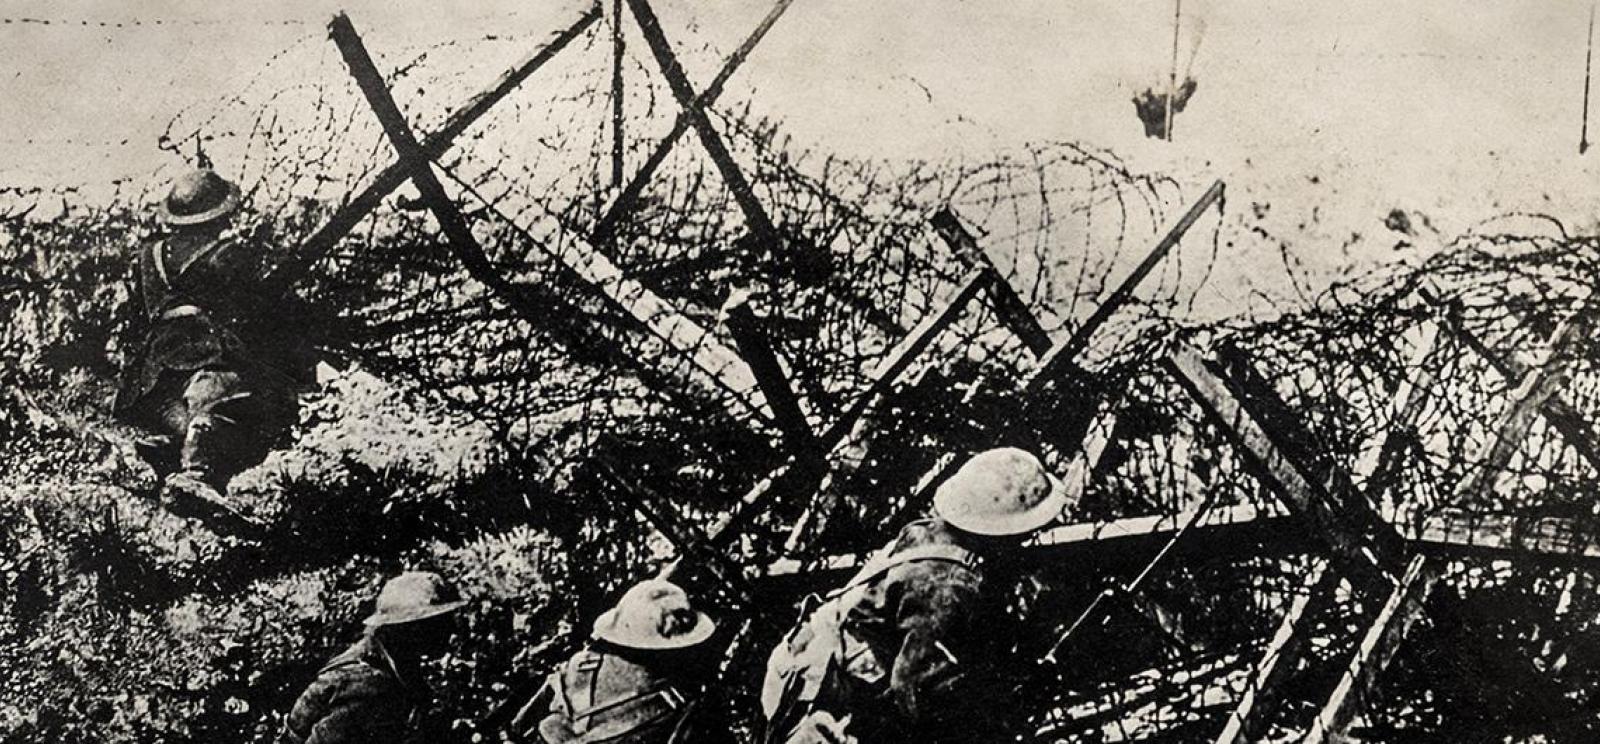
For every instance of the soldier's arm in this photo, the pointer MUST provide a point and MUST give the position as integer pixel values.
(936, 618)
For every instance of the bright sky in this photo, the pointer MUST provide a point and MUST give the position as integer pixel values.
(1332, 112)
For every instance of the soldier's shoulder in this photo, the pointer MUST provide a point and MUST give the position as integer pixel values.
(349, 675)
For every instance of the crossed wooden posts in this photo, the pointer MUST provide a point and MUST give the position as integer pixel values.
(1381, 555)
(709, 367)
(1365, 547)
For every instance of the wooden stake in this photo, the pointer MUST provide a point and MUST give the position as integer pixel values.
(755, 214)
(1382, 639)
(617, 50)
(357, 207)
(1588, 70)
(1013, 312)
(1172, 77)
(605, 227)
(531, 304)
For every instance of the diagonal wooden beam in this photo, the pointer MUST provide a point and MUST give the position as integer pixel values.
(1289, 643)
(357, 207)
(905, 352)
(678, 531)
(1382, 638)
(1535, 388)
(755, 214)
(417, 165)
(1013, 312)
(850, 434)
(763, 361)
(1388, 630)
(1274, 445)
(623, 204)
(1066, 353)
(1573, 425)
(1379, 464)
(535, 306)
(1059, 364)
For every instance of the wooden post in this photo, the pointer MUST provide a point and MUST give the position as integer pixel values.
(1379, 461)
(847, 436)
(415, 159)
(1060, 362)
(892, 365)
(763, 361)
(755, 214)
(1535, 388)
(1573, 425)
(1377, 647)
(1068, 350)
(682, 535)
(355, 209)
(1013, 312)
(1248, 720)
(1259, 426)
(617, 58)
(529, 304)
(605, 227)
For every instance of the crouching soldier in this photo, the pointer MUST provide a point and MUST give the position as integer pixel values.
(215, 379)
(639, 681)
(374, 691)
(913, 649)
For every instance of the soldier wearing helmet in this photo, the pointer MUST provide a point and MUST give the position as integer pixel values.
(215, 380)
(374, 691)
(906, 651)
(637, 682)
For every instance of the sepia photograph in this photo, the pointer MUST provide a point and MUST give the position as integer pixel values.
(799, 372)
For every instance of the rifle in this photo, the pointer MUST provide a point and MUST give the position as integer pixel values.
(1129, 589)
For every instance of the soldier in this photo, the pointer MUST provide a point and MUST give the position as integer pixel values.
(216, 378)
(639, 681)
(907, 651)
(374, 692)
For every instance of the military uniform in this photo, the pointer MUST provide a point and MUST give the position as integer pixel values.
(635, 683)
(918, 635)
(910, 649)
(360, 697)
(603, 697)
(218, 371)
(373, 693)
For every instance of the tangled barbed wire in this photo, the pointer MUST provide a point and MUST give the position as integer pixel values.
(858, 266)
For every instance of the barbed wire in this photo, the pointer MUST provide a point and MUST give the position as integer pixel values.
(858, 265)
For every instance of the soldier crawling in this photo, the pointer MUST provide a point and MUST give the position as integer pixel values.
(214, 382)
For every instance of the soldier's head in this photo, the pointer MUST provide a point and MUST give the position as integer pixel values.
(414, 614)
(654, 616)
(1000, 497)
(199, 201)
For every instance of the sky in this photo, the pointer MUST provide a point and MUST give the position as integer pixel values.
(1334, 113)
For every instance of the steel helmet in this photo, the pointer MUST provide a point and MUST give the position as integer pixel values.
(198, 197)
(413, 596)
(654, 615)
(1004, 491)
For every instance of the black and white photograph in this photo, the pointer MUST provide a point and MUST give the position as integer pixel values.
(799, 372)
